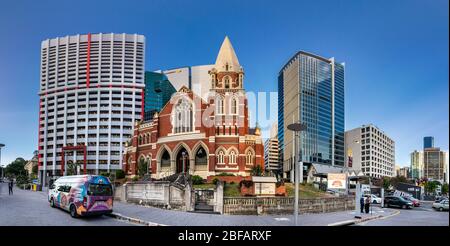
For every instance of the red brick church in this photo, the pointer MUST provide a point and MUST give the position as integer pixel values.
(200, 137)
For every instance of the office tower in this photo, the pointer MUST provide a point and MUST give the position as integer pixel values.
(91, 94)
(158, 91)
(428, 142)
(271, 151)
(372, 151)
(311, 91)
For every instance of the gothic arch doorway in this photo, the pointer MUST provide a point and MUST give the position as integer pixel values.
(182, 161)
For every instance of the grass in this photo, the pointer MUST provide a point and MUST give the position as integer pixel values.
(204, 186)
(305, 191)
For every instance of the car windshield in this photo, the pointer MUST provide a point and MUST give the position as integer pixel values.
(100, 190)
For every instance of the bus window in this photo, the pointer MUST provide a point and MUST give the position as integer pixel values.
(100, 190)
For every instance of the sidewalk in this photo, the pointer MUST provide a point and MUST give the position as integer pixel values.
(156, 216)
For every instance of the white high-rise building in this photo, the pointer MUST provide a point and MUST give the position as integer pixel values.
(271, 150)
(370, 150)
(91, 95)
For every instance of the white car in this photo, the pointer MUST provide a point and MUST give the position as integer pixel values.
(441, 206)
(375, 199)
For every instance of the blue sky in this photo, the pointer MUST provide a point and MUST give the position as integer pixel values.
(396, 53)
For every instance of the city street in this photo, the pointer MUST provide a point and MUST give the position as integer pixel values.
(32, 208)
(27, 208)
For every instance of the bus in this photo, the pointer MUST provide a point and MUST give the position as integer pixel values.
(82, 195)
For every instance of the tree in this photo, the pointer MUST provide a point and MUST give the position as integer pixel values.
(16, 168)
(257, 170)
(444, 189)
(71, 168)
(386, 183)
(142, 167)
(34, 170)
(430, 186)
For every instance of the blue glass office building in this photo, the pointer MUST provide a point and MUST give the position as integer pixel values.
(311, 91)
(428, 142)
(158, 91)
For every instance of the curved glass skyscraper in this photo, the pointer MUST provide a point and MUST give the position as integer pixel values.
(311, 91)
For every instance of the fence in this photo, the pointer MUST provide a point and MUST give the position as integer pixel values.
(285, 205)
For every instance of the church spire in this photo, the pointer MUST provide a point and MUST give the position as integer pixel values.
(227, 60)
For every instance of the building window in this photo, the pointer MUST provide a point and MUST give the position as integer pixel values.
(249, 158)
(221, 157)
(165, 159)
(233, 106)
(232, 157)
(227, 82)
(183, 116)
(200, 157)
(219, 105)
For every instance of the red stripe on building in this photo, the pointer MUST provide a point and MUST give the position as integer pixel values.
(39, 133)
(88, 62)
(142, 104)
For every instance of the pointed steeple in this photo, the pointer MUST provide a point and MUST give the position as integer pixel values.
(227, 59)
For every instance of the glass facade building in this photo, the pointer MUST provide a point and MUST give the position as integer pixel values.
(311, 91)
(428, 142)
(158, 91)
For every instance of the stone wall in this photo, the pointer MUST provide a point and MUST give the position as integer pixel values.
(285, 205)
(160, 194)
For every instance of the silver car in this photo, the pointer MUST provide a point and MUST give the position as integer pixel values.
(441, 206)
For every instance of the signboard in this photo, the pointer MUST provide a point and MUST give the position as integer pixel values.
(337, 181)
(35, 181)
(264, 188)
(365, 189)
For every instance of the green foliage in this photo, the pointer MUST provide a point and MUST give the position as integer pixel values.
(430, 186)
(71, 168)
(246, 183)
(231, 190)
(120, 174)
(135, 178)
(197, 180)
(22, 179)
(34, 170)
(386, 183)
(257, 170)
(142, 167)
(215, 181)
(105, 174)
(444, 189)
(16, 168)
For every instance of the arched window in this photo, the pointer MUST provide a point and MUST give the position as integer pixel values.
(221, 157)
(249, 158)
(219, 105)
(183, 116)
(234, 106)
(227, 82)
(140, 140)
(200, 157)
(232, 157)
(165, 159)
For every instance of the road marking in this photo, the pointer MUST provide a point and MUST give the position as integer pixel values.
(282, 219)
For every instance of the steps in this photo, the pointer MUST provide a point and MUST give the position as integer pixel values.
(203, 207)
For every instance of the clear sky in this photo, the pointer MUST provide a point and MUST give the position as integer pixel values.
(396, 54)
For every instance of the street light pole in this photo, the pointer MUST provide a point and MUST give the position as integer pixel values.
(296, 128)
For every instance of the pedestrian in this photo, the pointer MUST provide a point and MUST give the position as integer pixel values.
(10, 186)
(361, 204)
(367, 204)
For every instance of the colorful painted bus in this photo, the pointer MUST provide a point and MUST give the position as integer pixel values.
(82, 195)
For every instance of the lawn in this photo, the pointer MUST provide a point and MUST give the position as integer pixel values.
(231, 190)
(204, 186)
(305, 191)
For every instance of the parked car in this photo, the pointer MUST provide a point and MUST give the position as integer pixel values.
(441, 206)
(440, 198)
(82, 195)
(375, 199)
(396, 201)
(416, 202)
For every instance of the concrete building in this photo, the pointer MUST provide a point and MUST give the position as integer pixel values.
(91, 94)
(417, 166)
(311, 91)
(271, 151)
(430, 163)
(370, 150)
(403, 172)
(200, 137)
(195, 78)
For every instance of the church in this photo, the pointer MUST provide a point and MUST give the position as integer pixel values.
(204, 137)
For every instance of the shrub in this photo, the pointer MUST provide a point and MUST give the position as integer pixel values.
(135, 178)
(279, 183)
(232, 182)
(197, 180)
(106, 174)
(215, 181)
(246, 183)
(257, 171)
(120, 174)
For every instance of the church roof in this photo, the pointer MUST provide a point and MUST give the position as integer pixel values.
(227, 56)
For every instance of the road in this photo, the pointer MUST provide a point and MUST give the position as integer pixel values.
(424, 215)
(32, 209)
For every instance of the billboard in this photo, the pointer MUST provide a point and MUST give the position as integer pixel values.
(337, 181)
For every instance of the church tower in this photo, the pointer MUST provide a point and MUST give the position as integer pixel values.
(227, 87)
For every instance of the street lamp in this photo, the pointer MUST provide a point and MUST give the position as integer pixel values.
(296, 128)
(3, 169)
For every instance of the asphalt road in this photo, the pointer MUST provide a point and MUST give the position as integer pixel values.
(27, 208)
(424, 215)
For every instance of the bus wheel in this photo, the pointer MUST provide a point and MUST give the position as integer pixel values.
(52, 202)
(73, 211)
